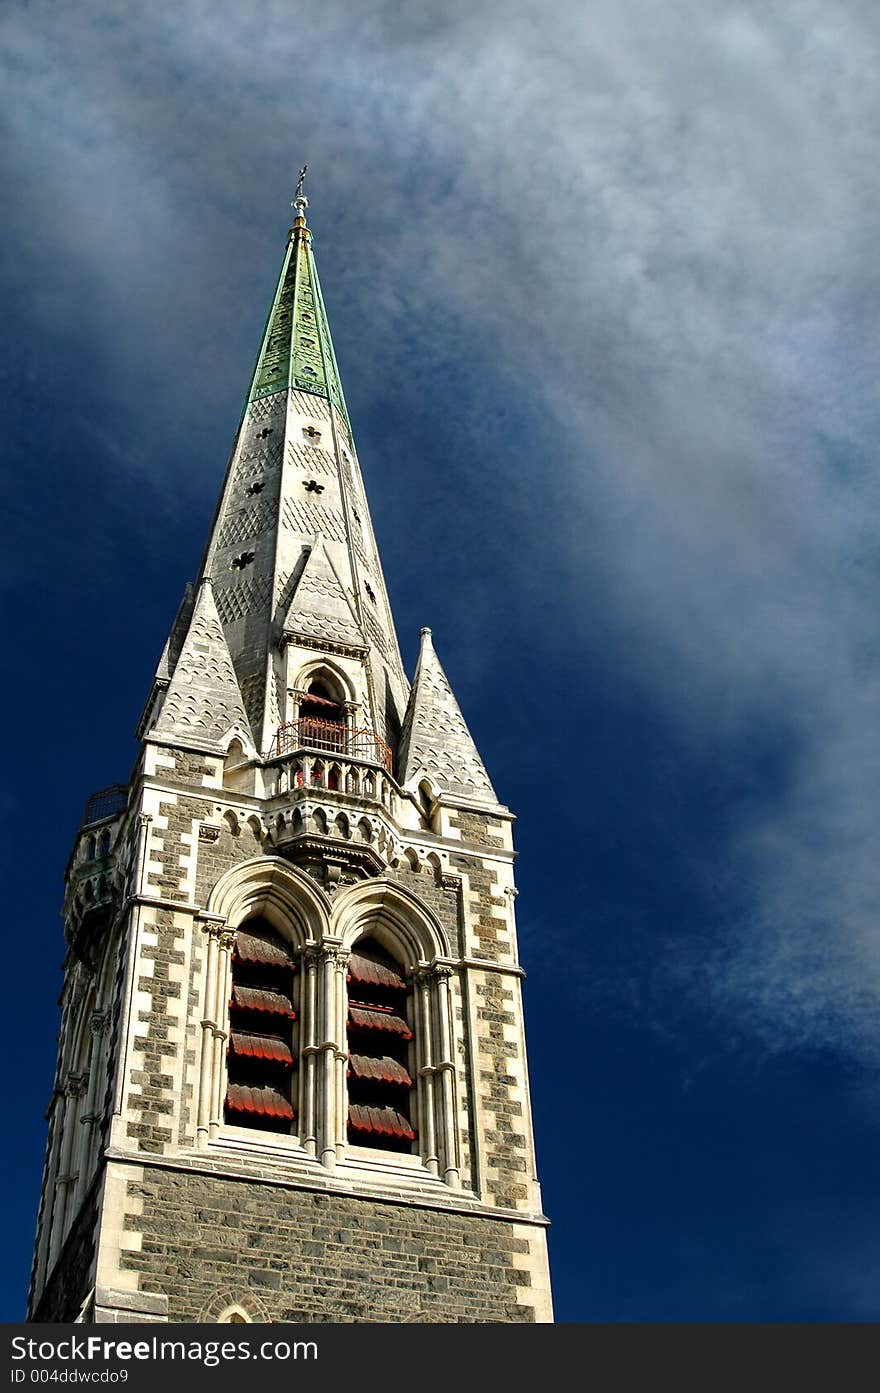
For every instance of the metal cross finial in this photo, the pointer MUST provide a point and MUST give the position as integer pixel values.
(300, 202)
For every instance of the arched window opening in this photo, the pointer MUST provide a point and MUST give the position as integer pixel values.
(321, 718)
(234, 1316)
(380, 1086)
(261, 1056)
(236, 768)
(426, 799)
(104, 842)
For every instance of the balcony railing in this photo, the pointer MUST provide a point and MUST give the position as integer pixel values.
(329, 737)
(107, 803)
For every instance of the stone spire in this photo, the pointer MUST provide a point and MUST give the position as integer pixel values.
(435, 740)
(292, 554)
(297, 351)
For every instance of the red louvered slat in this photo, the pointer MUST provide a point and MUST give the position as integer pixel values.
(262, 948)
(369, 973)
(261, 999)
(260, 1047)
(379, 1122)
(385, 1069)
(262, 1101)
(373, 1018)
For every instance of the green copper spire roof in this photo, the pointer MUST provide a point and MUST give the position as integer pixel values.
(297, 350)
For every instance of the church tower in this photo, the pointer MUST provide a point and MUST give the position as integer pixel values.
(291, 1080)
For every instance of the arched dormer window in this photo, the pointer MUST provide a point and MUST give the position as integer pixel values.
(321, 718)
(236, 768)
(261, 1056)
(380, 1085)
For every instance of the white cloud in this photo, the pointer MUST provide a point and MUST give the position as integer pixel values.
(662, 222)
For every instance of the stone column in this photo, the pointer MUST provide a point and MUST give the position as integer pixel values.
(425, 1071)
(225, 943)
(63, 1180)
(132, 952)
(91, 1114)
(294, 696)
(351, 710)
(209, 1025)
(446, 1070)
(334, 1054)
(309, 1051)
(341, 1060)
(55, 1119)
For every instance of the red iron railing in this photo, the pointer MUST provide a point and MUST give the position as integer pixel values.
(329, 737)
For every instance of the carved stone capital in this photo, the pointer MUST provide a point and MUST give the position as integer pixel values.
(337, 958)
(434, 974)
(212, 924)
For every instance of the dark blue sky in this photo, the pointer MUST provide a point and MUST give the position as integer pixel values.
(604, 296)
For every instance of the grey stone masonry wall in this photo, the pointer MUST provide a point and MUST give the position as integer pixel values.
(489, 927)
(444, 900)
(187, 769)
(495, 1014)
(477, 827)
(215, 857)
(180, 815)
(501, 1094)
(154, 1051)
(209, 1241)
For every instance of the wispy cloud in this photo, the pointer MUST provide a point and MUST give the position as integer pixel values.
(661, 224)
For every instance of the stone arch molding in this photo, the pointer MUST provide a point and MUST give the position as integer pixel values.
(221, 1307)
(272, 888)
(237, 732)
(389, 912)
(324, 668)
